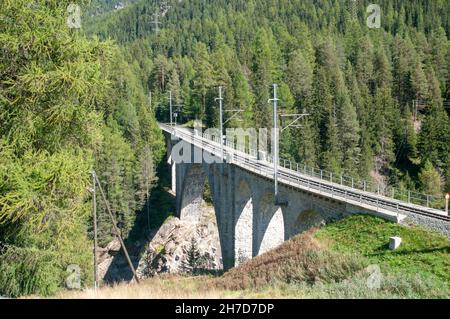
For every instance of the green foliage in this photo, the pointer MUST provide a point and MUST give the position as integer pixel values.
(430, 180)
(65, 103)
(192, 262)
(195, 262)
(28, 271)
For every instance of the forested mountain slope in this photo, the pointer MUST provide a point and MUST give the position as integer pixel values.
(68, 105)
(357, 83)
(96, 7)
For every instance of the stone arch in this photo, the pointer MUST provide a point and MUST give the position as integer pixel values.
(308, 219)
(243, 241)
(271, 230)
(195, 211)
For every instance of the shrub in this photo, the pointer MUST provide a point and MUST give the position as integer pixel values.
(28, 271)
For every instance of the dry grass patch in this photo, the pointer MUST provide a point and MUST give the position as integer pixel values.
(302, 259)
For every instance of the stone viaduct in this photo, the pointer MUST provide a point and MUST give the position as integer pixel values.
(250, 222)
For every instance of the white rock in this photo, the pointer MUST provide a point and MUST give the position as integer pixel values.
(394, 243)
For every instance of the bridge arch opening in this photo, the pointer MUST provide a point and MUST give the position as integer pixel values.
(243, 242)
(307, 220)
(198, 208)
(271, 230)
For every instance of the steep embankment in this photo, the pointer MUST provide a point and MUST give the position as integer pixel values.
(346, 259)
(175, 247)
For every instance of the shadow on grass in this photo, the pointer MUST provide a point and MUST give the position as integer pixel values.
(382, 250)
(207, 272)
(161, 205)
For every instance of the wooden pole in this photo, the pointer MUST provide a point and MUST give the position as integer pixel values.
(117, 230)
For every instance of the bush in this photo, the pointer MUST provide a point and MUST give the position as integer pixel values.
(28, 271)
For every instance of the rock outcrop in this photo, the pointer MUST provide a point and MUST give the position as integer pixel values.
(167, 251)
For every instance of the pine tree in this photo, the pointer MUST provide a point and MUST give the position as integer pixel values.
(430, 180)
(174, 85)
(307, 141)
(244, 98)
(419, 82)
(349, 134)
(262, 78)
(192, 263)
(160, 73)
(439, 45)
(203, 75)
(331, 156)
(300, 78)
(434, 136)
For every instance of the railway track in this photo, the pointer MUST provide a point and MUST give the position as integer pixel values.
(288, 176)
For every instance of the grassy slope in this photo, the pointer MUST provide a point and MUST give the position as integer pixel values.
(421, 252)
(329, 263)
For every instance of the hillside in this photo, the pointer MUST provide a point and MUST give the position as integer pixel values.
(333, 262)
(79, 135)
(358, 84)
(68, 105)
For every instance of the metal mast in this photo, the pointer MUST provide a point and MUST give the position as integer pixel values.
(276, 133)
(275, 137)
(170, 107)
(220, 99)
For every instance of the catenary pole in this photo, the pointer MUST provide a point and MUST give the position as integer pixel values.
(170, 107)
(220, 99)
(275, 141)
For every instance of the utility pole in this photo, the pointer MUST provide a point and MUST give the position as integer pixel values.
(116, 229)
(170, 106)
(172, 113)
(220, 99)
(94, 209)
(275, 137)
